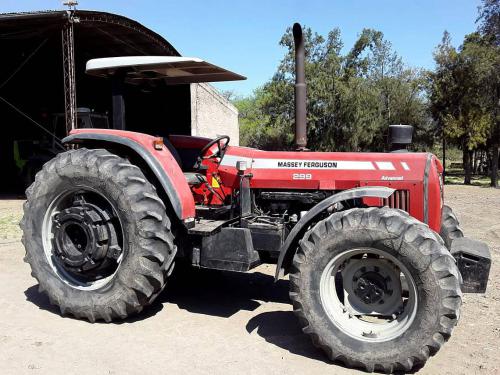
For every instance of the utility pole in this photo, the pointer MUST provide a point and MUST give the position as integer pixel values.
(68, 53)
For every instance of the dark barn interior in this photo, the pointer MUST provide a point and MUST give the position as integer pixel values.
(32, 82)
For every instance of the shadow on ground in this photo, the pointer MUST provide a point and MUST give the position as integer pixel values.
(223, 294)
(40, 299)
(201, 291)
(281, 328)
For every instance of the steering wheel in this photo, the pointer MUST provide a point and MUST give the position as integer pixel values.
(221, 150)
(220, 146)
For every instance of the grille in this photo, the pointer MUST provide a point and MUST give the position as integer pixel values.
(399, 199)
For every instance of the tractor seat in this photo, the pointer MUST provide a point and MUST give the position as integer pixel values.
(194, 178)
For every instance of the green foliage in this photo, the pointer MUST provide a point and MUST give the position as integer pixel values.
(255, 130)
(460, 90)
(489, 17)
(464, 89)
(352, 97)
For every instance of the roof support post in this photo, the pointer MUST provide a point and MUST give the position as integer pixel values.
(68, 53)
(118, 90)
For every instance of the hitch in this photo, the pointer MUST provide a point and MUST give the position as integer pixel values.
(474, 262)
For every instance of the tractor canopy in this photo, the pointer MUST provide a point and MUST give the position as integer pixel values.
(172, 70)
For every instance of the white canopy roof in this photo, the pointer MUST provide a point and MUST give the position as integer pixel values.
(171, 69)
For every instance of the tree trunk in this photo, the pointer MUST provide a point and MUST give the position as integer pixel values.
(482, 163)
(494, 164)
(467, 166)
(444, 158)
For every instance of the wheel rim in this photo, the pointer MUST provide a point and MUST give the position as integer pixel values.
(369, 294)
(83, 238)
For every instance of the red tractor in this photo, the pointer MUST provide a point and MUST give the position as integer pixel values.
(377, 263)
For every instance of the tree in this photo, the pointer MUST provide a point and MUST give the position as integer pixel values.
(352, 98)
(484, 57)
(489, 49)
(229, 95)
(489, 21)
(462, 94)
(255, 130)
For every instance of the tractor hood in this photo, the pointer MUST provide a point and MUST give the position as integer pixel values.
(328, 170)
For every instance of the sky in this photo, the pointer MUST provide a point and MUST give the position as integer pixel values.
(243, 36)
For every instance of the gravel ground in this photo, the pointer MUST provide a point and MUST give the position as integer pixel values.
(210, 322)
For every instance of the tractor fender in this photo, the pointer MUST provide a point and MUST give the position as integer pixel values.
(287, 250)
(161, 163)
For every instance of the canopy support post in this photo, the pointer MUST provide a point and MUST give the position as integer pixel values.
(117, 91)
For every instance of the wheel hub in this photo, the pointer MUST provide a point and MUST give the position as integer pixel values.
(373, 287)
(84, 237)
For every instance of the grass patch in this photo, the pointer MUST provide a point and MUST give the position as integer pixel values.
(9, 226)
(475, 180)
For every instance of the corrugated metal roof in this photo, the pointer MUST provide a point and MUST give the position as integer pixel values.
(124, 31)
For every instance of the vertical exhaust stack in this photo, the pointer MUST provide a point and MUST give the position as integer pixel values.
(300, 89)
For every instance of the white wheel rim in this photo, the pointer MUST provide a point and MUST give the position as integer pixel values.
(369, 327)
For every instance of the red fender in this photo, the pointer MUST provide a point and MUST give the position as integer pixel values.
(162, 164)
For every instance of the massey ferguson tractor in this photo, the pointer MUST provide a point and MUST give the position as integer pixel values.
(376, 262)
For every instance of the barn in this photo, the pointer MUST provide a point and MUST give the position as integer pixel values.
(44, 88)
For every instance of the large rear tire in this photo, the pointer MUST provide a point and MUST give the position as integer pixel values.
(97, 235)
(375, 289)
(450, 227)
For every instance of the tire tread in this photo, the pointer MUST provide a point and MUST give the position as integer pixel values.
(157, 249)
(398, 224)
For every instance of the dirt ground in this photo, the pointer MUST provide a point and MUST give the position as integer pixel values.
(216, 323)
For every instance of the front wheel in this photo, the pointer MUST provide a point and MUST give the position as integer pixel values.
(97, 236)
(375, 289)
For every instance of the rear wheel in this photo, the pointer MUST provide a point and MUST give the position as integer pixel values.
(97, 236)
(450, 227)
(375, 289)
